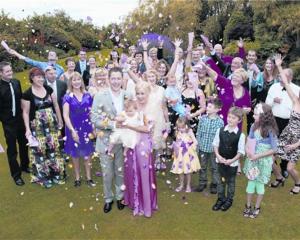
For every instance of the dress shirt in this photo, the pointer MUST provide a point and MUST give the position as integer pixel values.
(241, 144)
(43, 65)
(117, 101)
(53, 86)
(285, 107)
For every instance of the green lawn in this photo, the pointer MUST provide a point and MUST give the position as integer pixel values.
(32, 212)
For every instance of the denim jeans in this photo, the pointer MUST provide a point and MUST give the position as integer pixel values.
(207, 159)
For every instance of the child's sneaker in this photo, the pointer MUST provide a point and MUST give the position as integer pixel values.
(255, 213)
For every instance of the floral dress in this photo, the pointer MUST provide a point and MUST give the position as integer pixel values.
(46, 159)
(264, 165)
(185, 156)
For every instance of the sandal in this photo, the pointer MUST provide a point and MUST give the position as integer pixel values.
(188, 190)
(277, 183)
(255, 213)
(179, 189)
(247, 211)
(294, 192)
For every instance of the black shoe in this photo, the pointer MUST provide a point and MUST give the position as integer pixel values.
(218, 205)
(27, 170)
(107, 207)
(120, 204)
(19, 181)
(213, 188)
(77, 183)
(226, 205)
(200, 188)
(91, 183)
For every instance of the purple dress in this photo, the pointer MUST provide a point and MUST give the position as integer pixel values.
(139, 178)
(80, 119)
(226, 95)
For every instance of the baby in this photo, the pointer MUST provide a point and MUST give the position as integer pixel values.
(125, 136)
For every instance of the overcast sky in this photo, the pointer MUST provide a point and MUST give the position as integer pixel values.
(102, 12)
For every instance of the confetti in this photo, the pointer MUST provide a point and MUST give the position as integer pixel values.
(123, 187)
(153, 186)
(71, 204)
(168, 182)
(82, 226)
(160, 15)
(22, 193)
(96, 227)
(186, 203)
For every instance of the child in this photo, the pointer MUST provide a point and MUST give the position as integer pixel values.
(173, 96)
(185, 156)
(207, 128)
(127, 137)
(229, 146)
(258, 165)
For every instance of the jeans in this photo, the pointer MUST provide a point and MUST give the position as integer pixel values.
(207, 159)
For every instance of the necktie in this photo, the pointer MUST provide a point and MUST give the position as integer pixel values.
(13, 99)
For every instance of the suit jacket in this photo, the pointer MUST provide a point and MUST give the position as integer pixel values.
(77, 67)
(102, 116)
(61, 87)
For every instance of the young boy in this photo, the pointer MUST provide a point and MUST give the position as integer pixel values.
(207, 128)
(229, 146)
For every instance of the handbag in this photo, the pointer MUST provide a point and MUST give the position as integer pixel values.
(253, 173)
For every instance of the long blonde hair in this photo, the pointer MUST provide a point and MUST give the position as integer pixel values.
(73, 76)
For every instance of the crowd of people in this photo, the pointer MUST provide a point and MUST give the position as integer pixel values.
(200, 108)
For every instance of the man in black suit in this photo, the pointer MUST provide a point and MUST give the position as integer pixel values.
(59, 87)
(12, 122)
(81, 65)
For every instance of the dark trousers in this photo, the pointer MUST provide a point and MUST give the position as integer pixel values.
(227, 176)
(208, 159)
(15, 132)
(282, 123)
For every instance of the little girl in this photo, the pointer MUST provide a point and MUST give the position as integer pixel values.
(260, 146)
(186, 160)
(127, 137)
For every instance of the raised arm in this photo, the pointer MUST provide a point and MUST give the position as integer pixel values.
(294, 98)
(188, 60)
(145, 45)
(16, 54)
(173, 68)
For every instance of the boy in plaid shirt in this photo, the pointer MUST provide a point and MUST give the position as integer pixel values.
(207, 128)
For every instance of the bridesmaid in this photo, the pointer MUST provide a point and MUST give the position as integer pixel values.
(77, 104)
(139, 172)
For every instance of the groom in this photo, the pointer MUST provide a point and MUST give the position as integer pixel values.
(106, 106)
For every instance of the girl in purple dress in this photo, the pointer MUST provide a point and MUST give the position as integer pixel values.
(77, 104)
(139, 172)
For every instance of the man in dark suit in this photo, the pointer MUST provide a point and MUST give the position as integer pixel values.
(81, 65)
(59, 87)
(12, 122)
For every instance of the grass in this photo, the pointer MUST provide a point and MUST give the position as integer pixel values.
(32, 212)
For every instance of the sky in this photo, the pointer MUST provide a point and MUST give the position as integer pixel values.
(102, 12)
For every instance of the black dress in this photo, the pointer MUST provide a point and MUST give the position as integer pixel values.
(194, 105)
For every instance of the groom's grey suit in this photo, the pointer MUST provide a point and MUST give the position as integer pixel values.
(102, 115)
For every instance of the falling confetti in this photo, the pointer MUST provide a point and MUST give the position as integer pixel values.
(123, 187)
(82, 226)
(153, 186)
(22, 193)
(71, 204)
(168, 182)
(160, 15)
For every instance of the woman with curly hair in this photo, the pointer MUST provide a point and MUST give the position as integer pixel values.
(261, 145)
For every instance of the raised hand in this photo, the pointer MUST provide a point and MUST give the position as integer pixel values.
(145, 44)
(160, 42)
(177, 42)
(240, 43)
(278, 59)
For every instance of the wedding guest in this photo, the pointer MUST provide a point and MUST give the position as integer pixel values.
(12, 122)
(77, 104)
(81, 65)
(42, 120)
(70, 63)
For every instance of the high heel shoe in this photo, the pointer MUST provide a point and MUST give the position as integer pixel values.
(292, 190)
(277, 183)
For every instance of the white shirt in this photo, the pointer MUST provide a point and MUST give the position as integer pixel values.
(285, 107)
(241, 144)
(53, 86)
(117, 101)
